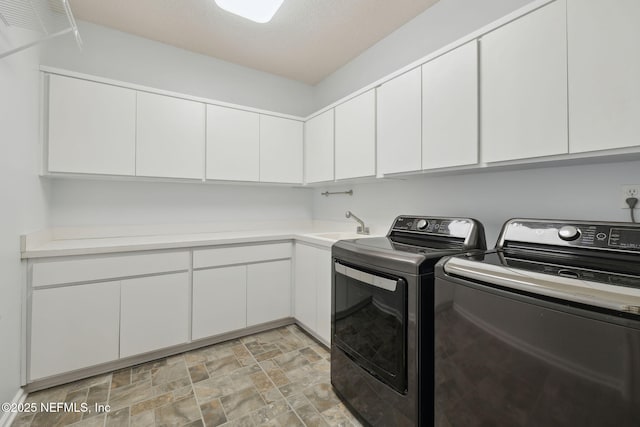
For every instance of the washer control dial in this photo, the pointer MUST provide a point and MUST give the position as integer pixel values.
(569, 233)
(422, 224)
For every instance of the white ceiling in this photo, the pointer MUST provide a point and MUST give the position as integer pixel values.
(306, 40)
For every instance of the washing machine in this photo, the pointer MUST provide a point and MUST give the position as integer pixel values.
(542, 331)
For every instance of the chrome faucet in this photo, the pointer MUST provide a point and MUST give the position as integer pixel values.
(361, 228)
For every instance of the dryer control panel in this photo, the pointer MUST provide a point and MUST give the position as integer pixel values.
(449, 227)
(612, 236)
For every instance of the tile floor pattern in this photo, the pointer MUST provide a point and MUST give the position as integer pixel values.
(275, 378)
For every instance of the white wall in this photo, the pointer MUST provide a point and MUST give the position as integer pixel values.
(589, 192)
(441, 24)
(99, 203)
(120, 56)
(24, 207)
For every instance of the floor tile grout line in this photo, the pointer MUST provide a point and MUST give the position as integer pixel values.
(170, 392)
(268, 377)
(195, 395)
(297, 336)
(322, 359)
(264, 372)
(228, 374)
(110, 382)
(130, 406)
(274, 384)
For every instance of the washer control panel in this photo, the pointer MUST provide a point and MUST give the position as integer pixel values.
(611, 236)
(449, 227)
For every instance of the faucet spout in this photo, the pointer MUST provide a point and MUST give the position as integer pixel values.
(361, 228)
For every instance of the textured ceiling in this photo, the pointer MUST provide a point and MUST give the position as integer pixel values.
(306, 40)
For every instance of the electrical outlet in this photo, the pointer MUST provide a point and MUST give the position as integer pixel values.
(629, 190)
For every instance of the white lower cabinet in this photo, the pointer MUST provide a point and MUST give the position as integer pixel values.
(73, 327)
(268, 291)
(323, 292)
(151, 303)
(154, 313)
(305, 285)
(313, 289)
(219, 301)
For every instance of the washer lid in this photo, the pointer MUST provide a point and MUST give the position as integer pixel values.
(582, 290)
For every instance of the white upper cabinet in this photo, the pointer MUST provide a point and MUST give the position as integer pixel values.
(450, 109)
(281, 143)
(399, 121)
(170, 137)
(318, 144)
(604, 74)
(91, 127)
(233, 144)
(524, 87)
(355, 122)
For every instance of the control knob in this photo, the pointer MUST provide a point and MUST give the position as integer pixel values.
(569, 233)
(422, 224)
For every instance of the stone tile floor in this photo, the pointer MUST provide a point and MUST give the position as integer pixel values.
(275, 378)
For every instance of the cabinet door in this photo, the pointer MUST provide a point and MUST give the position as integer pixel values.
(399, 124)
(154, 313)
(318, 144)
(323, 289)
(268, 291)
(73, 327)
(233, 144)
(281, 143)
(604, 70)
(170, 137)
(355, 122)
(450, 109)
(219, 301)
(305, 285)
(91, 128)
(524, 87)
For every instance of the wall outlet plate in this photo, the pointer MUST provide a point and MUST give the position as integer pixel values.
(629, 190)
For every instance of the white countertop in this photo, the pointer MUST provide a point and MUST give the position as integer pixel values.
(43, 244)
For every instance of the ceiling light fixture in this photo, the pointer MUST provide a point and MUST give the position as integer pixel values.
(256, 10)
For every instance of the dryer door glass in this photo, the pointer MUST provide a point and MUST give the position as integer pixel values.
(370, 321)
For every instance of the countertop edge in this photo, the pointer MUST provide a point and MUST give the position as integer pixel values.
(304, 237)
